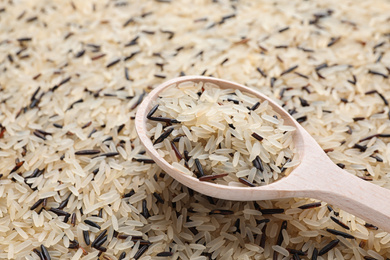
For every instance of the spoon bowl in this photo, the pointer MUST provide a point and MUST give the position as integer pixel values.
(315, 177)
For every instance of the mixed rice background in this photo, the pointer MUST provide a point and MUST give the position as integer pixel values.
(73, 73)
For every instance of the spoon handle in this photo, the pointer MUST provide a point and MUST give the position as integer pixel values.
(354, 195)
(318, 177)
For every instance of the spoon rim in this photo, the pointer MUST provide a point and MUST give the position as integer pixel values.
(193, 182)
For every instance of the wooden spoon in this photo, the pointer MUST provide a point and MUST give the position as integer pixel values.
(315, 177)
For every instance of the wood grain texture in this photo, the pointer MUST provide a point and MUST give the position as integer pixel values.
(315, 177)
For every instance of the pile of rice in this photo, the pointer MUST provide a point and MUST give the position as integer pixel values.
(73, 74)
(221, 135)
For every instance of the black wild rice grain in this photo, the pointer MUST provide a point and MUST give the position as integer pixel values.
(261, 221)
(362, 148)
(43, 132)
(271, 211)
(340, 233)
(224, 61)
(289, 70)
(98, 238)
(39, 253)
(304, 49)
(377, 158)
(64, 202)
(284, 29)
(258, 163)
(129, 194)
(141, 97)
(212, 177)
(111, 154)
(304, 102)
(17, 166)
(123, 255)
(35, 93)
(128, 22)
(112, 63)
(132, 42)
(57, 125)
(143, 248)
(59, 212)
(383, 98)
(301, 75)
(100, 242)
(39, 135)
(164, 254)
(152, 111)
(338, 222)
(281, 47)
(170, 33)
(74, 244)
(86, 125)
(321, 66)
(131, 56)
(262, 73)
(102, 249)
(144, 160)
(160, 76)
(177, 153)
(87, 152)
(44, 202)
(310, 205)
(92, 224)
(353, 82)
(145, 211)
(263, 236)
(237, 226)
(24, 39)
(371, 258)
(280, 238)
(254, 107)
(295, 251)
(257, 136)
(333, 40)
(45, 253)
(377, 73)
(200, 171)
(301, 119)
(97, 57)
(246, 182)
(319, 75)
(36, 204)
(379, 57)
(314, 256)
(76, 102)
(328, 247)
(379, 45)
(158, 197)
(371, 226)
(127, 76)
(296, 257)
(164, 119)
(37, 76)
(221, 212)
(73, 218)
(234, 101)
(79, 54)
(163, 135)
